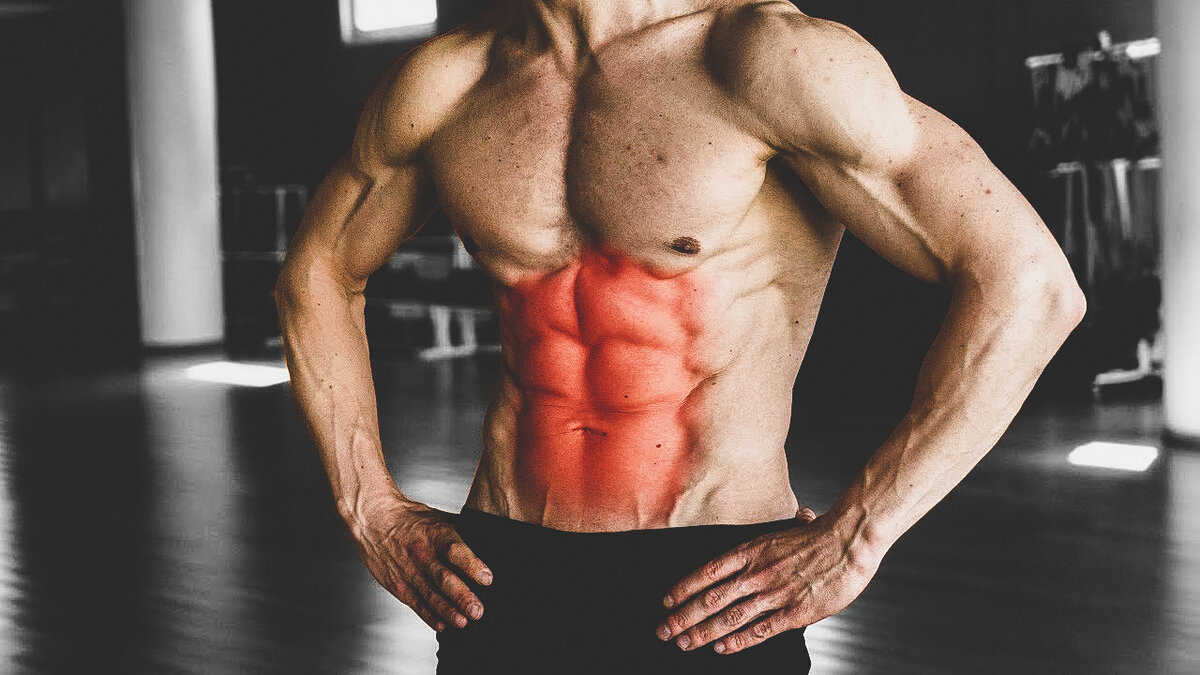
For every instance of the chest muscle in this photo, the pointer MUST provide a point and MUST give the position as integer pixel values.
(630, 157)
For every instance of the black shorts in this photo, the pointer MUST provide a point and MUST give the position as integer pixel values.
(571, 602)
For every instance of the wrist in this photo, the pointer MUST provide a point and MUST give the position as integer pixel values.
(358, 506)
(862, 538)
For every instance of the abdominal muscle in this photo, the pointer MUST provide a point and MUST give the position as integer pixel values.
(598, 419)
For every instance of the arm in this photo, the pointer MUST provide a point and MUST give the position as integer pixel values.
(916, 189)
(374, 199)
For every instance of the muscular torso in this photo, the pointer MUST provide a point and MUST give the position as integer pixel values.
(657, 279)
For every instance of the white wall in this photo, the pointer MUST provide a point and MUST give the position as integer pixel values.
(1179, 29)
(172, 97)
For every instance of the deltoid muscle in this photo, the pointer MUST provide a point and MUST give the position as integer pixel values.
(602, 352)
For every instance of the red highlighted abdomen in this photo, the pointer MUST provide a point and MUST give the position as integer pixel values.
(603, 354)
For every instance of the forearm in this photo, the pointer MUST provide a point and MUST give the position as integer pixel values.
(992, 346)
(326, 351)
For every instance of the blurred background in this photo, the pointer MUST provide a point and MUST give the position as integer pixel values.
(163, 510)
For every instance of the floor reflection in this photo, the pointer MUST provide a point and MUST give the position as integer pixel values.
(199, 522)
(1182, 639)
(9, 579)
(80, 483)
(150, 523)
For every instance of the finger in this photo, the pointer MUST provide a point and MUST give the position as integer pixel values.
(404, 593)
(452, 587)
(436, 600)
(706, 576)
(763, 629)
(725, 622)
(806, 514)
(461, 556)
(701, 607)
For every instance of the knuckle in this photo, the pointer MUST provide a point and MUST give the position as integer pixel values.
(434, 571)
(779, 597)
(761, 629)
(440, 604)
(438, 537)
(712, 598)
(734, 615)
(780, 567)
(712, 570)
(426, 593)
(764, 576)
(417, 591)
(420, 554)
(418, 584)
(797, 614)
(423, 611)
(755, 581)
(736, 641)
(676, 624)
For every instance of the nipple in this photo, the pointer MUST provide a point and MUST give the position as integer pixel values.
(685, 245)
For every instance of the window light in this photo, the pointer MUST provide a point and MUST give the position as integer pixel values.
(379, 20)
(241, 374)
(1120, 456)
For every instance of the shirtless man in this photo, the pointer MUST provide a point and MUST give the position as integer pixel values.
(658, 188)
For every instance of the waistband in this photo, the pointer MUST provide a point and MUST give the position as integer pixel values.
(476, 518)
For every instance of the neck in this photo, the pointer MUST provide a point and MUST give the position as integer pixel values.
(576, 29)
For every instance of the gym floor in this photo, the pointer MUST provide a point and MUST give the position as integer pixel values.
(150, 523)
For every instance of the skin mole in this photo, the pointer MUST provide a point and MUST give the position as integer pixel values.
(685, 245)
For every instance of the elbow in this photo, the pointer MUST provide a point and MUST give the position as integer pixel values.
(302, 279)
(1068, 302)
(1051, 289)
(1041, 289)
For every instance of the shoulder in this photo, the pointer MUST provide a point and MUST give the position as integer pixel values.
(758, 26)
(418, 92)
(806, 84)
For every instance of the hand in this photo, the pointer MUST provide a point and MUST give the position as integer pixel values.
(778, 582)
(414, 552)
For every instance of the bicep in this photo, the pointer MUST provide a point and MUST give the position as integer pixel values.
(375, 198)
(359, 217)
(900, 176)
(932, 204)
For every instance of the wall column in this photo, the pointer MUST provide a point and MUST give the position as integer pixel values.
(173, 134)
(1179, 29)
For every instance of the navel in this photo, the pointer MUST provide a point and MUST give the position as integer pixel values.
(685, 245)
